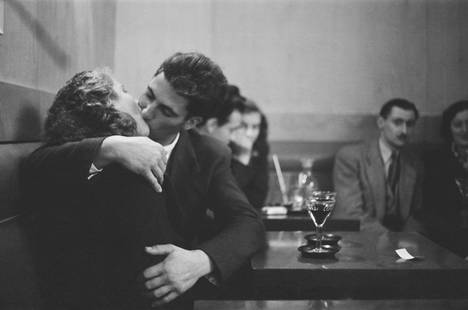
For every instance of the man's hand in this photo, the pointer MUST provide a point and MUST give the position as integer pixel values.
(177, 273)
(140, 155)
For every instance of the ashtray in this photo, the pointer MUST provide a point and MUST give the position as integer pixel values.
(326, 251)
(328, 239)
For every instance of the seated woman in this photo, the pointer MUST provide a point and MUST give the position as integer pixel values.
(446, 182)
(250, 154)
(90, 235)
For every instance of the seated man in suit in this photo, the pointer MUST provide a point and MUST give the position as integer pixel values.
(379, 181)
(182, 92)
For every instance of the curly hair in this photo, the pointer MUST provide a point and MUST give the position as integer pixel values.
(83, 109)
(447, 117)
(196, 78)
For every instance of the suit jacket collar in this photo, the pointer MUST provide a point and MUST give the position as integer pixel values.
(183, 160)
(181, 176)
(376, 172)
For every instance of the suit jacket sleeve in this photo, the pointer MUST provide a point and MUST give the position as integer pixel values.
(347, 185)
(242, 231)
(69, 162)
(350, 198)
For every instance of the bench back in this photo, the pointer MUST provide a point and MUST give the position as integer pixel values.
(18, 282)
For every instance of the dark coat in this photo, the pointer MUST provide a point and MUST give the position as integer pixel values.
(198, 178)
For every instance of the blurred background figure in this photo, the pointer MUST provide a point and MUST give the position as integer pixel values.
(239, 123)
(446, 182)
(227, 117)
(250, 154)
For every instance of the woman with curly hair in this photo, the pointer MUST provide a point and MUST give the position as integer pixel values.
(93, 104)
(90, 234)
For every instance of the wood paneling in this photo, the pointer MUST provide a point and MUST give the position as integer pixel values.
(340, 127)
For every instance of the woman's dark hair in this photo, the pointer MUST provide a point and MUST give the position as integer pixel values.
(196, 78)
(448, 115)
(83, 108)
(261, 147)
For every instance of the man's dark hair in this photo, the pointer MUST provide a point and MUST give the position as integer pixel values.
(196, 78)
(232, 101)
(83, 108)
(447, 117)
(400, 103)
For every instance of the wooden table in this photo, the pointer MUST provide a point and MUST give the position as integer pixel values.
(298, 221)
(365, 268)
(418, 304)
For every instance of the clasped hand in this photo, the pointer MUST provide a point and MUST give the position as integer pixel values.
(177, 273)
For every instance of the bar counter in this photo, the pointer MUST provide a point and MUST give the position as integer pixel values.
(366, 267)
(302, 221)
(419, 304)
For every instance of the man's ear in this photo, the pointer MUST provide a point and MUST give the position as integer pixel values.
(380, 122)
(211, 124)
(192, 122)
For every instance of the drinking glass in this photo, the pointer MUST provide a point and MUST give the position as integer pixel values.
(319, 205)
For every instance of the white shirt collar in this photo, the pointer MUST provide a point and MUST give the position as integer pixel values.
(385, 151)
(168, 148)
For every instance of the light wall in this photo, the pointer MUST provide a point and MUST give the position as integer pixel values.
(320, 69)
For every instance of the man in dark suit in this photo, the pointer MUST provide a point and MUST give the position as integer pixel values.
(182, 92)
(379, 181)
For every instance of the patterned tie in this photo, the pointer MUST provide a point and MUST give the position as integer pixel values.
(394, 171)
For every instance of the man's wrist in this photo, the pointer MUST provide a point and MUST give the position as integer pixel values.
(206, 266)
(108, 153)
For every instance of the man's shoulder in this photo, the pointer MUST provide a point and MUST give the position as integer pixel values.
(206, 145)
(355, 149)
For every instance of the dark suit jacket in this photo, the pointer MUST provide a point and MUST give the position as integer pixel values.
(199, 178)
(443, 201)
(359, 180)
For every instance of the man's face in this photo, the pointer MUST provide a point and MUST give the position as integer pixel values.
(163, 109)
(397, 127)
(225, 131)
(126, 103)
(459, 128)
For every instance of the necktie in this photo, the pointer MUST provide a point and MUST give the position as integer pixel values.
(394, 171)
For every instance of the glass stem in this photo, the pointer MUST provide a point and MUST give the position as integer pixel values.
(319, 236)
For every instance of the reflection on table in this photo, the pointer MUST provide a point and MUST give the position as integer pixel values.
(302, 221)
(444, 304)
(365, 267)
